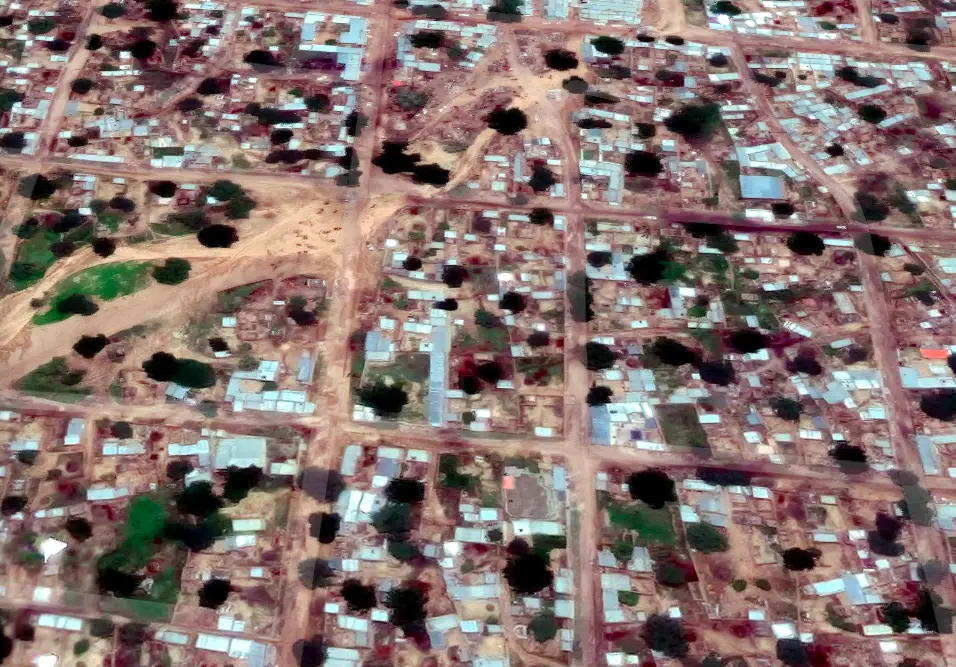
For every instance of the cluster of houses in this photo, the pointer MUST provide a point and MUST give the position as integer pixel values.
(785, 18)
(488, 244)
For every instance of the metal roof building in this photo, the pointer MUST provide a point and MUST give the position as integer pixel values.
(761, 187)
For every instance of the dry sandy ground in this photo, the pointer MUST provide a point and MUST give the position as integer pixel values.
(294, 233)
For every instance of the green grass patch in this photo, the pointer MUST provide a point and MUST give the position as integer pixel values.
(36, 252)
(54, 380)
(681, 427)
(105, 282)
(652, 526)
(231, 299)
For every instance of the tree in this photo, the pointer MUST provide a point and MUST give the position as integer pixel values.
(747, 341)
(89, 346)
(214, 593)
(412, 263)
(177, 469)
(896, 616)
(240, 481)
(163, 189)
(652, 487)
(873, 244)
(643, 163)
(599, 395)
(104, 247)
(317, 102)
(724, 476)
(931, 614)
(939, 404)
(649, 268)
(579, 297)
(598, 356)
(385, 400)
(145, 48)
(407, 606)
(611, 46)
(490, 372)
(541, 179)
(695, 121)
(599, 258)
(41, 26)
(526, 571)
(36, 187)
(173, 272)
(120, 584)
(76, 304)
(324, 527)
(851, 459)
(706, 538)
(218, 236)
(94, 43)
(539, 339)
(102, 628)
(541, 216)
(194, 374)
(507, 121)
(310, 652)
(401, 490)
(393, 519)
(544, 626)
(79, 528)
(575, 85)
(161, 10)
(410, 99)
(786, 408)
(512, 301)
(322, 484)
(793, 652)
(427, 39)
(315, 573)
(210, 86)
(453, 275)
(161, 367)
(223, 190)
(198, 499)
(796, 559)
(805, 243)
(673, 353)
(665, 635)
(560, 59)
(720, 373)
(882, 546)
(872, 113)
(354, 123)
(805, 363)
(13, 142)
(358, 596)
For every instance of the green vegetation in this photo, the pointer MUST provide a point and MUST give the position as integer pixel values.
(105, 281)
(838, 621)
(34, 255)
(231, 299)
(81, 647)
(409, 367)
(706, 538)
(739, 585)
(681, 427)
(173, 272)
(54, 380)
(450, 476)
(544, 626)
(528, 463)
(652, 526)
(543, 544)
(41, 26)
(628, 598)
(762, 584)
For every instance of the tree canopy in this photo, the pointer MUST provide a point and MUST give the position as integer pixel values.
(796, 559)
(611, 46)
(666, 635)
(507, 121)
(527, 572)
(652, 487)
(358, 596)
(695, 121)
(385, 400)
(174, 271)
(706, 538)
(560, 59)
(89, 346)
(598, 356)
(805, 243)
